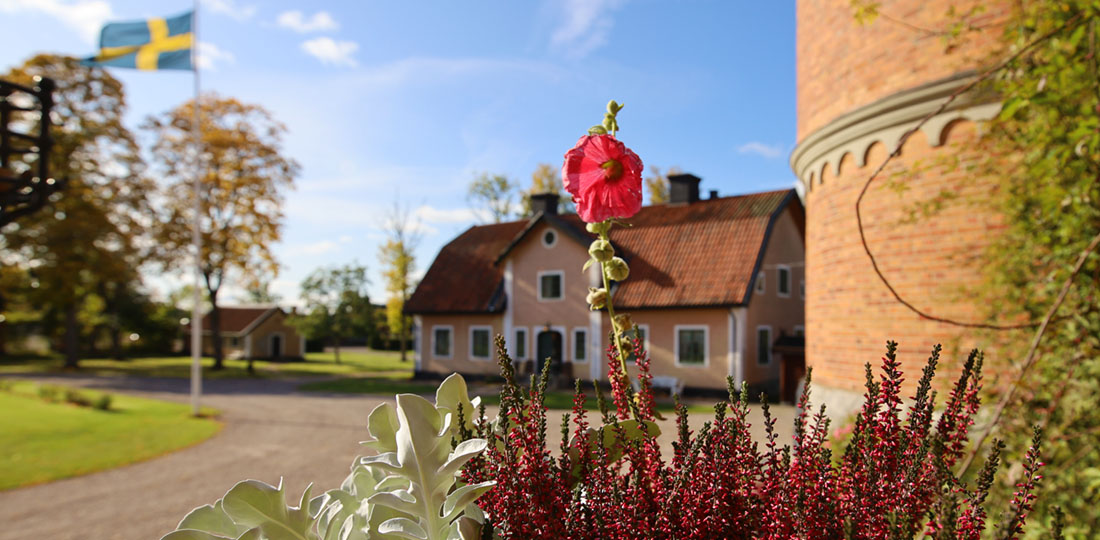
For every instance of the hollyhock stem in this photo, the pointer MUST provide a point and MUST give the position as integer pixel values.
(611, 312)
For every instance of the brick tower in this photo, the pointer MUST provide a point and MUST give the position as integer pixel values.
(859, 88)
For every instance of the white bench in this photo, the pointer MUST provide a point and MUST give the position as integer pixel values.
(673, 384)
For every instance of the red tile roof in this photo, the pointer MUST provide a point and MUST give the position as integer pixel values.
(236, 319)
(464, 277)
(686, 255)
(700, 254)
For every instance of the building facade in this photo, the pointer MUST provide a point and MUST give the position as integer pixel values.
(713, 285)
(254, 332)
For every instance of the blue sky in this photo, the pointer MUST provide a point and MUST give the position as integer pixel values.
(408, 101)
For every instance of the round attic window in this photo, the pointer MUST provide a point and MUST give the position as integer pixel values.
(548, 238)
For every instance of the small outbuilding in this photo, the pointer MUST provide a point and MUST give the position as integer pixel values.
(259, 332)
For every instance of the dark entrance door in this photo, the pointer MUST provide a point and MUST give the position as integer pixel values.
(276, 346)
(548, 345)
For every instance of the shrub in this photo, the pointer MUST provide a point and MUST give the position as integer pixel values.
(893, 480)
(103, 402)
(49, 392)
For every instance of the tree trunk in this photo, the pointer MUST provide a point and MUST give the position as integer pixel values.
(72, 338)
(216, 330)
(116, 343)
(404, 329)
(3, 328)
(401, 338)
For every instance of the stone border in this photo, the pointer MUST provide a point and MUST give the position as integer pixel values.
(885, 121)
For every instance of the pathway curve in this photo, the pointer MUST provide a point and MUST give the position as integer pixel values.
(271, 431)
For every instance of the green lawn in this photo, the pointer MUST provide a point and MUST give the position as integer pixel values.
(180, 366)
(45, 441)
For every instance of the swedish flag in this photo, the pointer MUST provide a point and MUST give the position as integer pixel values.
(158, 43)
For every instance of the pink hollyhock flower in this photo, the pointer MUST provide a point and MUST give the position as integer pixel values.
(604, 177)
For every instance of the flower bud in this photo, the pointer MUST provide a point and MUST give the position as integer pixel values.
(616, 269)
(601, 250)
(624, 321)
(598, 228)
(597, 298)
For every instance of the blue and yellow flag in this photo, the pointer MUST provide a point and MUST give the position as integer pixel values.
(159, 43)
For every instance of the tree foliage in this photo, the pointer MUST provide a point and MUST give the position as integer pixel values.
(492, 193)
(1045, 145)
(244, 173)
(87, 241)
(337, 304)
(546, 179)
(398, 259)
(657, 185)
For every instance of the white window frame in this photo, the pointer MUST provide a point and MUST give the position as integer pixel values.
(450, 330)
(526, 342)
(761, 285)
(771, 336)
(542, 238)
(538, 285)
(676, 344)
(487, 328)
(778, 290)
(573, 349)
(645, 342)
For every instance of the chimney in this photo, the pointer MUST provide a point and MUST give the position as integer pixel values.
(683, 188)
(546, 203)
(714, 194)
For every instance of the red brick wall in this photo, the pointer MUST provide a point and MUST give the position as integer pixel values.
(931, 263)
(843, 65)
(849, 313)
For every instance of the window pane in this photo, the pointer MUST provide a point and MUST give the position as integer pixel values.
(692, 346)
(481, 343)
(442, 342)
(580, 345)
(521, 344)
(550, 286)
(784, 281)
(763, 345)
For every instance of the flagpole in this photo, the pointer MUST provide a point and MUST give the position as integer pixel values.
(196, 230)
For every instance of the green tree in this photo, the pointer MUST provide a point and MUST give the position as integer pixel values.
(244, 174)
(87, 241)
(337, 304)
(657, 185)
(546, 179)
(492, 193)
(398, 259)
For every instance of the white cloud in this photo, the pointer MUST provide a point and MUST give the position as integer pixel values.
(297, 21)
(586, 26)
(210, 56)
(770, 151)
(320, 248)
(230, 8)
(86, 17)
(431, 214)
(345, 239)
(330, 51)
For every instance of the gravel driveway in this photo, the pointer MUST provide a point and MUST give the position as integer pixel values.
(271, 431)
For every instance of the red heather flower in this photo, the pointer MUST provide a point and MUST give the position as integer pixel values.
(604, 177)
